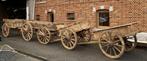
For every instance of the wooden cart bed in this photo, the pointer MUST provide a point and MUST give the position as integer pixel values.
(14, 23)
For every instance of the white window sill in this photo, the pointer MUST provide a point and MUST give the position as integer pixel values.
(42, 2)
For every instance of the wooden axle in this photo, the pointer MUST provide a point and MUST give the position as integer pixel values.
(89, 42)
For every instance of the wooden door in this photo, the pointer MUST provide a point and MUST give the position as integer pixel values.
(50, 16)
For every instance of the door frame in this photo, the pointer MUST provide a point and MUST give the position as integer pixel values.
(52, 16)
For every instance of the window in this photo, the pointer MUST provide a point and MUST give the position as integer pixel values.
(103, 17)
(37, 17)
(71, 16)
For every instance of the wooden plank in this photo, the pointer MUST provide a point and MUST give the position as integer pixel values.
(75, 26)
(115, 27)
(14, 23)
(90, 42)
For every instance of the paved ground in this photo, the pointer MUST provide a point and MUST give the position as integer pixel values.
(11, 56)
(55, 51)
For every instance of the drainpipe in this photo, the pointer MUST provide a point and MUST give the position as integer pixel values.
(27, 13)
(27, 9)
(34, 10)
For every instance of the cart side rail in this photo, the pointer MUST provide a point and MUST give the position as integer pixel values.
(114, 27)
(14, 23)
(124, 30)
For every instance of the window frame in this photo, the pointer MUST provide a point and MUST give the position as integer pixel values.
(104, 12)
(71, 16)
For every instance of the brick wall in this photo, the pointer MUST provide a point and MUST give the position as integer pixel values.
(40, 10)
(124, 11)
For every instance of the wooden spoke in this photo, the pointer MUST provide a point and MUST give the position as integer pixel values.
(44, 35)
(109, 35)
(117, 49)
(104, 38)
(107, 48)
(68, 39)
(5, 30)
(115, 53)
(118, 45)
(111, 45)
(130, 45)
(27, 31)
(72, 41)
(105, 45)
(117, 41)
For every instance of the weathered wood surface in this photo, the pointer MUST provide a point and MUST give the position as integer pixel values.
(75, 26)
(123, 30)
(103, 28)
(14, 23)
(39, 24)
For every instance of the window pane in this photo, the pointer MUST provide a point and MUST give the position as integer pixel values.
(71, 16)
(104, 18)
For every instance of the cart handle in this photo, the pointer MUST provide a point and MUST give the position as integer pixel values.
(115, 27)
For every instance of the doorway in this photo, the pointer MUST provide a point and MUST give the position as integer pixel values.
(50, 16)
(103, 17)
(13, 9)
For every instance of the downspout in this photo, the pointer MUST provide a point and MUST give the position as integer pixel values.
(27, 10)
(33, 10)
(27, 15)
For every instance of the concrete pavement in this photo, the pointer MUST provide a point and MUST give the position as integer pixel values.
(55, 51)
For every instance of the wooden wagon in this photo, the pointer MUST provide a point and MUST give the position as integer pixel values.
(11, 24)
(113, 41)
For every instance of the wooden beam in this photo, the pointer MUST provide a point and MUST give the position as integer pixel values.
(90, 42)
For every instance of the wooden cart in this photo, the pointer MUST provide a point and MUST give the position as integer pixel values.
(28, 28)
(38, 27)
(11, 24)
(113, 41)
(45, 31)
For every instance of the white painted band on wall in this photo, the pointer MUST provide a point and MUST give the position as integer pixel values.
(27, 11)
(111, 8)
(93, 9)
(102, 7)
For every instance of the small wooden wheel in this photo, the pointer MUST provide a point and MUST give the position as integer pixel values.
(130, 42)
(112, 45)
(85, 35)
(68, 39)
(5, 30)
(27, 31)
(43, 35)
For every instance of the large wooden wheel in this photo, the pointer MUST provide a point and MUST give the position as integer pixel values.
(85, 35)
(68, 39)
(44, 35)
(112, 45)
(5, 30)
(130, 42)
(27, 31)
